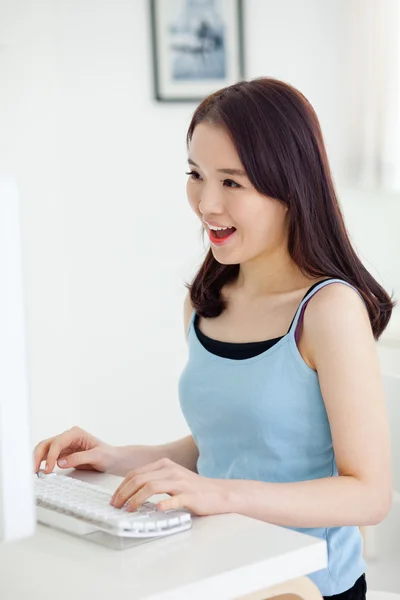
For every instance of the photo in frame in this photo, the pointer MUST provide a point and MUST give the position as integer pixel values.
(197, 47)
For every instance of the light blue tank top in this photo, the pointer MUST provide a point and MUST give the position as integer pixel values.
(264, 418)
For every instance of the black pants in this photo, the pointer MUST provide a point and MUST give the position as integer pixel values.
(357, 592)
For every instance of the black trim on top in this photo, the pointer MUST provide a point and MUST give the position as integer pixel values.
(240, 351)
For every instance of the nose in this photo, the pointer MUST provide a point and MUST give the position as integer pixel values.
(211, 202)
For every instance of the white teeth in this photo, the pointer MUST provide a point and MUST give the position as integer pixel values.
(218, 228)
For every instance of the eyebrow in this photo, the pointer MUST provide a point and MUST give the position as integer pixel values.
(238, 172)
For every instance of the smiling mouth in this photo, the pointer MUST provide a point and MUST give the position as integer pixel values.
(221, 234)
(219, 237)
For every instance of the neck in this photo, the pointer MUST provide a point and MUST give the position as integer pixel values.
(277, 274)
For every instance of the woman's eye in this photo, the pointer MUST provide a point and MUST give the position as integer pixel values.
(227, 182)
(194, 175)
(231, 184)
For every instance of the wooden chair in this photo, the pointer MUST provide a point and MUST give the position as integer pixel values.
(301, 587)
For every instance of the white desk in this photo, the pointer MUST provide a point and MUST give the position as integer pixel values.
(220, 558)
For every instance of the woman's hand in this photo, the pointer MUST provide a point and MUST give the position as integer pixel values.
(75, 448)
(201, 495)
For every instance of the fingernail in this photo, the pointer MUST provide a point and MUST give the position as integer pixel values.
(62, 462)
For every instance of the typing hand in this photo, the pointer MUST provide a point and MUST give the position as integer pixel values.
(75, 448)
(201, 495)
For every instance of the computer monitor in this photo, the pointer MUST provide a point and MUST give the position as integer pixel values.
(17, 507)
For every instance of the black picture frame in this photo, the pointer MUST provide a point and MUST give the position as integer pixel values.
(211, 45)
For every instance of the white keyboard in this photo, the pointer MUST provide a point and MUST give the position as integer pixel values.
(64, 502)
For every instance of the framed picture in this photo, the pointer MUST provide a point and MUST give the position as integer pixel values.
(197, 47)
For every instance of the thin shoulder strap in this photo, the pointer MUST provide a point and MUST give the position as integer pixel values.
(298, 318)
(304, 297)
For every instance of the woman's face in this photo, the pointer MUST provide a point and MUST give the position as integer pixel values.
(221, 195)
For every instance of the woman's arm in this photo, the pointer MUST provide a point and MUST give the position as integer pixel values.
(183, 452)
(341, 348)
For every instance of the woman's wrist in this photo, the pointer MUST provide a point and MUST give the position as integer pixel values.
(113, 459)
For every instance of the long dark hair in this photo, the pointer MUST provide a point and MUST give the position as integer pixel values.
(278, 138)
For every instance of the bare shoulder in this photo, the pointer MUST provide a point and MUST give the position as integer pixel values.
(187, 312)
(333, 301)
(336, 315)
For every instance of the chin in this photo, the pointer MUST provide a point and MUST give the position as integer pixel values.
(228, 259)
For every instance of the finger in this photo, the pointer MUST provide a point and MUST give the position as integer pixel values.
(59, 443)
(77, 458)
(177, 501)
(159, 465)
(161, 486)
(40, 452)
(163, 467)
(132, 483)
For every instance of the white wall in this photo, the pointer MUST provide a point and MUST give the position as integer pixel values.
(109, 238)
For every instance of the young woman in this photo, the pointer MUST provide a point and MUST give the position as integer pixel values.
(282, 391)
